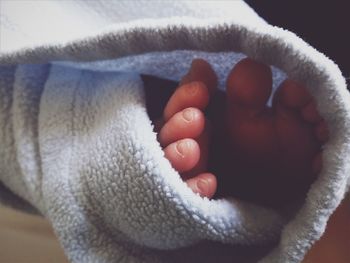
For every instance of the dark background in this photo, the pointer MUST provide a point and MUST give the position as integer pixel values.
(323, 24)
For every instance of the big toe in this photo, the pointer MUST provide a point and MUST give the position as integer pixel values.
(249, 85)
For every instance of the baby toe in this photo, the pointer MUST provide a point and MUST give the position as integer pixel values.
(183, 154)
(193, 94)
(292, 95)
(201, 71)
(203, 142)
(194, 90)
(204, 184)
(188, 123)
(249, 85)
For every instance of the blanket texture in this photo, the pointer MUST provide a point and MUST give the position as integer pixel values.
(77, 145)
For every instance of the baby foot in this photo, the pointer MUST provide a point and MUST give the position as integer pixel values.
(184, 130)
(275, 152)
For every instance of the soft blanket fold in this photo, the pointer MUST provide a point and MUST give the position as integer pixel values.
(76, 142)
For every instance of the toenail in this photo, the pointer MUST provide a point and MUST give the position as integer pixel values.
(181, 148)
(188, 115)
(203, 186)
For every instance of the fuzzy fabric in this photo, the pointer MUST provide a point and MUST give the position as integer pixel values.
(78, 146)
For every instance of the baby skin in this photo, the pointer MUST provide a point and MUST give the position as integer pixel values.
(268, 155)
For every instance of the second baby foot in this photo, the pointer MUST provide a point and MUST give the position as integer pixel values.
(275, 151)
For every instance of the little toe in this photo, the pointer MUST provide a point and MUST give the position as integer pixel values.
(188, 123)
(249, 85)
(193, 94)
(204, 184)
(183, 154)
(292, 95)
(201, 71)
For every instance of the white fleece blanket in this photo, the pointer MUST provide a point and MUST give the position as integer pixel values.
(77, 145)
